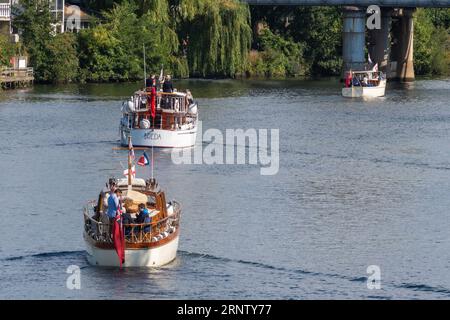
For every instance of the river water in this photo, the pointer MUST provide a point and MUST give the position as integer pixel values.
(360, 183)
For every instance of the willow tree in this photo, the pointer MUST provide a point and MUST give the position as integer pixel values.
(217, 36)
(159, 33)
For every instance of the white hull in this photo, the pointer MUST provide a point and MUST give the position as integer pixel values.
(369, 92)
(149, 257)
(159, 138)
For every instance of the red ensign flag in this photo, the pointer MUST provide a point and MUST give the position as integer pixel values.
(153, 102)
(118, 238)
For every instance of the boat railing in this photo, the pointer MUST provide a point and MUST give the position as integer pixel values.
(172, 101)
(373, 78)
(134, 233)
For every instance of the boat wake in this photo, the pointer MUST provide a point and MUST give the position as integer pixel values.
(186, 255)
(411, 286)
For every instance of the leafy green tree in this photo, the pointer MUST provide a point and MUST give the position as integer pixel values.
(63, 64)
(35, 23)
(217, 34)
(6, 51)
(431, 46)
(113, 49)
(53, 56)
(320, 29)
(279, 57)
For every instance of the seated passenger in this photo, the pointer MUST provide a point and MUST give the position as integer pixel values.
(365, 81)
(127, 219)
(144, 217)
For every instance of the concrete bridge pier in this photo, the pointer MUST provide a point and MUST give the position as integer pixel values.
(380, 42)
(354, 38)
(404, 34)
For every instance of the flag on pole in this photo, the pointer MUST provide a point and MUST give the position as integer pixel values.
(161, 75)
(375, 67)
(370, 60)
(118, 237)
(153, 102)
(133, 172)
(143, 161)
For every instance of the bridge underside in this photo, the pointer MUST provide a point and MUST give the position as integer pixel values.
(396, 27)
(391, 46)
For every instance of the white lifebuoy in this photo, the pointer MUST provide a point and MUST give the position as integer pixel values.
(144, 124)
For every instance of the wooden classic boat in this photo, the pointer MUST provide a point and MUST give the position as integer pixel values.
(365, 84)
(150, 244)
(173, 126)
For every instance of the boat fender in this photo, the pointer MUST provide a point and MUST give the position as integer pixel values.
(145, 124)
(130, 105)
(170, 210)
(193, 108)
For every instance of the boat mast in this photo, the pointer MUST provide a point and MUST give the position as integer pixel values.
(145, 70)
(129, 163)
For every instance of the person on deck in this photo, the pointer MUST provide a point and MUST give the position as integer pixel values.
(365, 81)
(348, 79)
(144, 217)
(167, 84)
(126, 220)
(356, 82)
(148, 83)
(113, 206)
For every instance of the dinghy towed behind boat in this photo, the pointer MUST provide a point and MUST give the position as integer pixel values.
(365, 84)
(145, 245)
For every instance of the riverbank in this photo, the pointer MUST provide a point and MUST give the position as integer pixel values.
(205, 39)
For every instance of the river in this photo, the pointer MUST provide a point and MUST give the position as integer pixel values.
(360, 183)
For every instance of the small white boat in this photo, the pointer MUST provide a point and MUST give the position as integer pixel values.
(152, 244)
(174, 125)
(369, 84)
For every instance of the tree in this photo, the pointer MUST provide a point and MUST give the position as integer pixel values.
(218, 34)
(430, 46)
(320, 29)
(53, 56)
(6, 50)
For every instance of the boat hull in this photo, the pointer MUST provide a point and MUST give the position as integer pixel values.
(136, 257)
(160, 138)
(369, 92)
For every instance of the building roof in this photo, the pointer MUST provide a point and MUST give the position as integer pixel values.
(83, 15)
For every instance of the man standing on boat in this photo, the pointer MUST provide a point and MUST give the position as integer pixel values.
(113, 206)
(167, 84)
(348, 79)
(149, 82)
